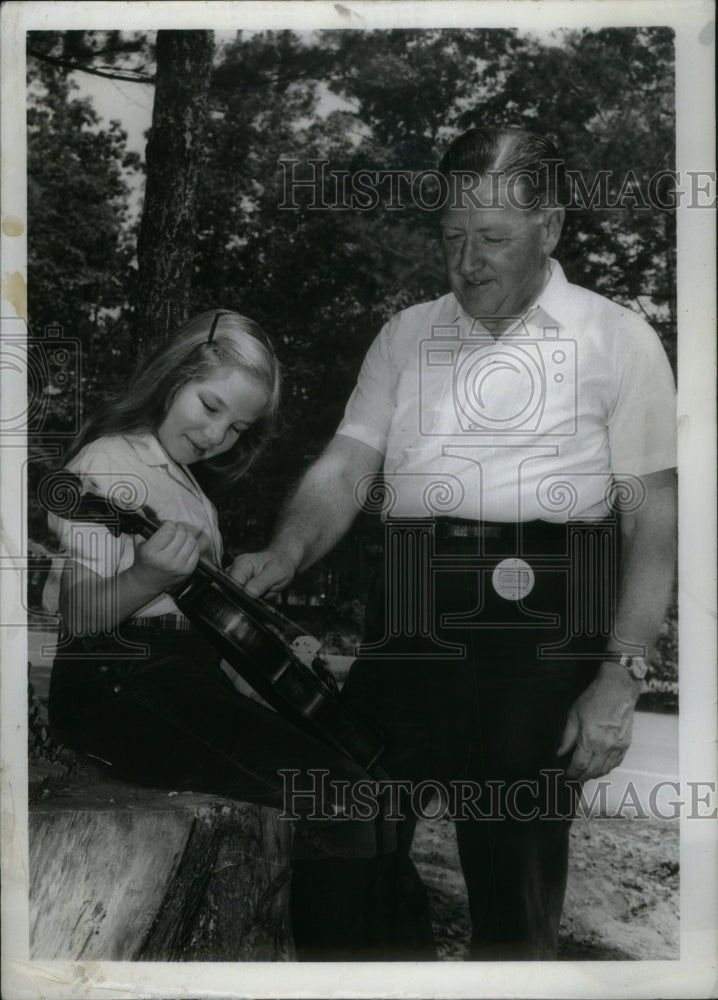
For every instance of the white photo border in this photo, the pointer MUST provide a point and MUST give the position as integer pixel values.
(694, 973)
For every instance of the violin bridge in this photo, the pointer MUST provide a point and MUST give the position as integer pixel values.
(305, 648)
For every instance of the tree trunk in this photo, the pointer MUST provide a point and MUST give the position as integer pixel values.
(120, 873)
(174, 155)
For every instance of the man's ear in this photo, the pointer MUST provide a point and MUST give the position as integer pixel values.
(553, 222)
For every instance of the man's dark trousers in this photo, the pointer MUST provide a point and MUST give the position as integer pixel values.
(484, 726)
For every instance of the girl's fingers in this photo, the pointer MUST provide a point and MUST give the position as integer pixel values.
(164, 534)
(192, 559)
(188, 547)
(193, 529)
(175, 544)
(171, 537)
(183, 550)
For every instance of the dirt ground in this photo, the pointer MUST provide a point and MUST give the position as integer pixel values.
(622, 900)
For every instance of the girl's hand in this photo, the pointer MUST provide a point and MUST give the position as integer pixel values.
(167, 558)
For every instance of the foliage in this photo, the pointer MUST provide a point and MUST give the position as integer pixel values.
(79, 249)
(608, 98)
(79, 245)
(116, 55)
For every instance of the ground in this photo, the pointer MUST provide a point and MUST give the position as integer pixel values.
(622, 900)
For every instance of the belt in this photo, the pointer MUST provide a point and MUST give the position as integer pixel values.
(173, 621)
(455, 527)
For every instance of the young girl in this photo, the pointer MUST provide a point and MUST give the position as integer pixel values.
(133, 683)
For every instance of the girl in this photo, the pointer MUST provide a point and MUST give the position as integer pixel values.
(133, 683)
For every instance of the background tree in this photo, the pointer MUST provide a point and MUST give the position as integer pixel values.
(174, 154)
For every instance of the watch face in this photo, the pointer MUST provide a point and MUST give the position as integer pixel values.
(639, 667)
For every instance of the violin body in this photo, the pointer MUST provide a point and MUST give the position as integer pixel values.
(252, 636)
(270, 667)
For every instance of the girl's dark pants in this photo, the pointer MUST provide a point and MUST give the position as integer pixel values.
(155, 706)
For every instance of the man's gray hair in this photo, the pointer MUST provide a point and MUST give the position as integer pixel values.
(529, 160)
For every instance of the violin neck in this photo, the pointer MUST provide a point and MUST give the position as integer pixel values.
(146, 523)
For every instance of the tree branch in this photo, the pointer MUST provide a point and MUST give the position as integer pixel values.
(638, 302)
(135, 77)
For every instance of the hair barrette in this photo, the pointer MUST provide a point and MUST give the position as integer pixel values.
(213, 328)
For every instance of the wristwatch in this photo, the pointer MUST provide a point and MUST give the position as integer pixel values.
(635, 665)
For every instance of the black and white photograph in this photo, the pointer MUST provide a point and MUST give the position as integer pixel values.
(357, 439)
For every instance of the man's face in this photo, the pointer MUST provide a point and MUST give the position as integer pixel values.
(496, 256)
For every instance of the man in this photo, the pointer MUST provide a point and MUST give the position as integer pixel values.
(524, 427)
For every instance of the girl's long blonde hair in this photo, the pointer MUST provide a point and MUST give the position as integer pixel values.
(214, 341)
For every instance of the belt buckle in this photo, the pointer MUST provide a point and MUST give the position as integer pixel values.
(490, 531)
(467, 529)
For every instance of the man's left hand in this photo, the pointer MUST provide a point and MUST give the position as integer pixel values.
(599, 724)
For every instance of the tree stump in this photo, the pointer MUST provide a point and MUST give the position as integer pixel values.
(125, 873)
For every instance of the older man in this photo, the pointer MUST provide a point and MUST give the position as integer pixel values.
(524, 427)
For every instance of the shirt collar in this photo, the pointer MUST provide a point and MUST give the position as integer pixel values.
(148, 449)
(552, 301)
(546, 310)
(151, 453)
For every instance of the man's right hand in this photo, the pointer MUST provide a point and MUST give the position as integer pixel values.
(263, 573)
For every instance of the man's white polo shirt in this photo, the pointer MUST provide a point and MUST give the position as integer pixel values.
(536, 424)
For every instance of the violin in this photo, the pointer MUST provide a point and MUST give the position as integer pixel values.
(260, 643)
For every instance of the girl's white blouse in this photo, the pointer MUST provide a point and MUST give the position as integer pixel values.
(135, 471)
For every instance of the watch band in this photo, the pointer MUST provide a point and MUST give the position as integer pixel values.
(635, 665)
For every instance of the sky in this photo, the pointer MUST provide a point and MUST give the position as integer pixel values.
(131, 104)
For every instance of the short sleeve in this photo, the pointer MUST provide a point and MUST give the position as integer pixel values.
(92, 545)
(370, 408)
(642, 429)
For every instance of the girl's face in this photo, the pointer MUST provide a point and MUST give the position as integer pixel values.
(207, 417)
